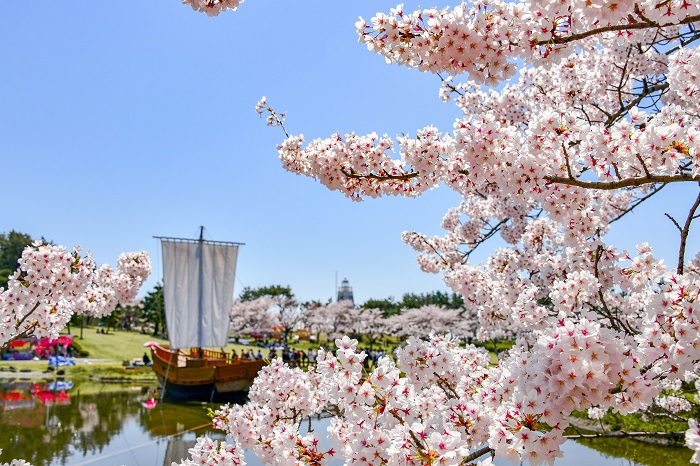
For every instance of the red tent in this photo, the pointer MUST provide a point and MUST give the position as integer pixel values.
(63, 340)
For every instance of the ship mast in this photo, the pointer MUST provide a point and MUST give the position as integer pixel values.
(200, 298)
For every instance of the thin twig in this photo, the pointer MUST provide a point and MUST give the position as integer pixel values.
(684, 235)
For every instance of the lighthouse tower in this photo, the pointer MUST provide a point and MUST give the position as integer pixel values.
(345, 291)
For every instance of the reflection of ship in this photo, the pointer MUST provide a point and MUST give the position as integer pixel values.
(198, 278)
(177, 451)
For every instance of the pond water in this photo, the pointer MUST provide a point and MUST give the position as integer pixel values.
(106, 424)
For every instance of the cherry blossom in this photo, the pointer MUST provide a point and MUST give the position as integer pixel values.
(51, 284)
(572, 115)
(213, 7)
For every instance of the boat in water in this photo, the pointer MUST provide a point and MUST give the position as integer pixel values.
(198, 279)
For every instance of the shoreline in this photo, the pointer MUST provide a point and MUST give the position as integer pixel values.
(595, 427)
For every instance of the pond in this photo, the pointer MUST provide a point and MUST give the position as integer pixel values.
(106, 424)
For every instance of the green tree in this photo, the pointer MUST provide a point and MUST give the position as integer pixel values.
(129, 316)
(388, 306)
(154, 310)
(251, 294)
(438, 298)
(11, 246)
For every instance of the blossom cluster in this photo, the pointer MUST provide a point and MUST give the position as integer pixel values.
(279, 399)
(692, 440)
(51, 284)
(15, 462)
(208, 452)
(572, 115)
(439, 403)
(381, 417)
(213, 7)
(483, 38)
(273, 118)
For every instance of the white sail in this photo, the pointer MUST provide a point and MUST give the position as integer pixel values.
(198, 279)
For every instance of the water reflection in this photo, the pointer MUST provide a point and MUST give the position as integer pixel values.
(91, 424)
(107, 424)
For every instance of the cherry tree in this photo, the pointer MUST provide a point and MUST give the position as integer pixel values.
(287, 314)
(368, 323)
(252, 316)
(573, 114)
(332, 318)
(51, 284)
(422, 321)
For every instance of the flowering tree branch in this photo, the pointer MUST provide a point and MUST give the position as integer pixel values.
(571, 116)
(633, 24)
(623, 183)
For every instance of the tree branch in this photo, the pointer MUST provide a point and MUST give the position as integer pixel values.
(623, 183)
(373, 176)
(684, 235)
(612, 28)
(637, 202)
(477, 454)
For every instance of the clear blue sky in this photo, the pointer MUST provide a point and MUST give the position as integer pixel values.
(124, 120)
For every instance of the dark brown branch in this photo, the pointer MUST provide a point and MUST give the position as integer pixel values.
(684, 43)
(477, 454)
(26, 332)
(644, 165)
(568, 164)
(431, 246)
(613, 28)
(615, 322)
(673, 220)
(449, 85)
(29, 331)
(485, 236)
(446, 387)
(647, 90)
(636, 203)
(374, 176)
(684, 235)
(623, 183)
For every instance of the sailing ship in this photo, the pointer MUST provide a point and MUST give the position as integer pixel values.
(198, 279)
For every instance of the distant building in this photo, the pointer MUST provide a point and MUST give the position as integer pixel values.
(345, 291)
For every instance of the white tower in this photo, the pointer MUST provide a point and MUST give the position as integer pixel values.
(345, 291)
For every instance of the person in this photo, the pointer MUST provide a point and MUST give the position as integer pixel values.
(259, 355)
(234, 355)
(146, 360)
(311, 356)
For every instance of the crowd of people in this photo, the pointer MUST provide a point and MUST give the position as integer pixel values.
(291, 356)
(297, 357)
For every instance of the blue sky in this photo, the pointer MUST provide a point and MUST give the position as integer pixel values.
(124, 120)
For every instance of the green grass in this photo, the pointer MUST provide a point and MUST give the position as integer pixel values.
(116, 345)
(637, 423)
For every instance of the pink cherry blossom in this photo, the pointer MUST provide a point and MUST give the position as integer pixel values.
(571, 116)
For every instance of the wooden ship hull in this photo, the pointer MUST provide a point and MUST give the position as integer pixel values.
(202, 374)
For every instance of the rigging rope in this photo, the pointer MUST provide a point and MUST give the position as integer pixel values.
(125, 450)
